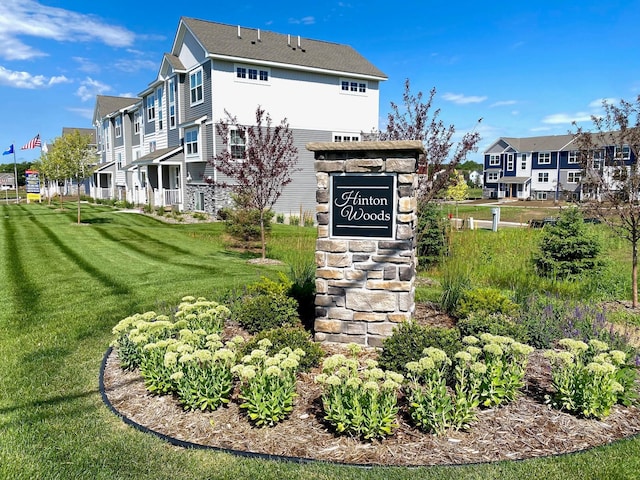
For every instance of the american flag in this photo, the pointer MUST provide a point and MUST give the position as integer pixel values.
(35, 142)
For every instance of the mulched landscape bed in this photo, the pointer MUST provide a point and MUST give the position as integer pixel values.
(523, 429)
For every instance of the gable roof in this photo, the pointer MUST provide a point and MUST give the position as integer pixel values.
(106, 105)
(239, 43)
(553, 143)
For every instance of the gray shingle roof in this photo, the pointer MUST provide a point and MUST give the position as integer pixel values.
(106, 104)
(540, 144)
(221, 39)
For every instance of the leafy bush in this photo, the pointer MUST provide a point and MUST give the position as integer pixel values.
(280, 218)
(294, 220)
(409, 340)
(243, 222)
(268, 384)
(485, 300)
(584, 377)
(302, 277)
(261, 312)
(268, 286)
(494, 323)
(432, 234)
(292, 337)
(568, 249)
(359, 401)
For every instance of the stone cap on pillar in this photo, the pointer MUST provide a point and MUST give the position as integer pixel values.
(387, 145)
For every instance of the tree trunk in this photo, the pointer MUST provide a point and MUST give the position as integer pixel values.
(634, 273)
(264, 246)
(78, 203)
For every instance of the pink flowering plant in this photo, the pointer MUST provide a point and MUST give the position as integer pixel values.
(268, 383)
(359, 401)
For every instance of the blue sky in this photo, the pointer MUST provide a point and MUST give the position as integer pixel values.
(525, 68)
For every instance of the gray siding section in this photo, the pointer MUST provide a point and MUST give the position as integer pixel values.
(300, 194)
(204, 108)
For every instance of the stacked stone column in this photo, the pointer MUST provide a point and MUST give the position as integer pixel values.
(365, 286)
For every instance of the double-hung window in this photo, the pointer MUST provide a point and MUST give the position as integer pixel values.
(159, 98)
(118, 126)
(543, 177)
(151, 108)
(573, 157)
(494, 160)
(136, 122)
(172, 103)
(544, 158)
(191, 142)
(195, 87)
(492, 177)
(510, 163)
(237, 144)
(623, 153)
(523, 161)
(573, 177)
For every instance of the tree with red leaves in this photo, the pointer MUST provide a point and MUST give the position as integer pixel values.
(258, 162)
(414, 122)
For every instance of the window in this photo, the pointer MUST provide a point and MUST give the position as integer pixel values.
(119, 162)
(198, 201)
(573, 177)
(541, 195)
(118, 126)
(353, 86)
(346, 138)
(544, 158)
(252, 74)
(523, 161)
(195, 87)
(159, 98)
(492, 177)
(510, 163)
(597, 160)
(172, 103)
(152, 146)
(191, 141)
(543, 177)
(237, 144)
(136, 122)
(494, 160)
(573, 157)
(151, 108)
(623, 153)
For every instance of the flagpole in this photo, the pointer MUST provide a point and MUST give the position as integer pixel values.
(15, 172)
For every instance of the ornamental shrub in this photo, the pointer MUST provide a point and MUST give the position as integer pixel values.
(485, 300)
(243, 222)
(432, 234)
(408, 341)
(292, 337)
(266, 311)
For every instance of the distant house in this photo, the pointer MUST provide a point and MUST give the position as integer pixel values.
(548, 167)
(476, 178)
(7, 181)
(155, 148)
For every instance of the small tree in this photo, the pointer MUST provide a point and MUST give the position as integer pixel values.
(611, 177)
(414, 121)
(458, 189)
(258, 161)
(72, 156)
(567, 248)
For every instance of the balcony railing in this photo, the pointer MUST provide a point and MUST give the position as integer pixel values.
(172, 197)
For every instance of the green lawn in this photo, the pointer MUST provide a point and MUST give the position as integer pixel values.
(65, 286)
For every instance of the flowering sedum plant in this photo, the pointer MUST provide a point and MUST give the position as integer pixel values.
(268, 383)
(359, 401)
(203, 377)
(431, 406)
(585, 377)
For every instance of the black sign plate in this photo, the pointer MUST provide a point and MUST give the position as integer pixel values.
(362, 206)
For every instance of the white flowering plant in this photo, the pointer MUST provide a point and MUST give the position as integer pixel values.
(203, 377)
(432, 406)
(585, 377)
(359, 401)
(268, 383)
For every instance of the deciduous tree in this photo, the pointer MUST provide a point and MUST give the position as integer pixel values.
(71, 156)
(260, 172)
(609, 155)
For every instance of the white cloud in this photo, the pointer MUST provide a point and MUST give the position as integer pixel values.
(29, 18)
(503, 103)
(83, 112)
(460, 99)
(26, 80)
(540, 129)
(89, 88)
(566, 118)
(598, 102)
(303, 21)
(86, 65)
(135, 65)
